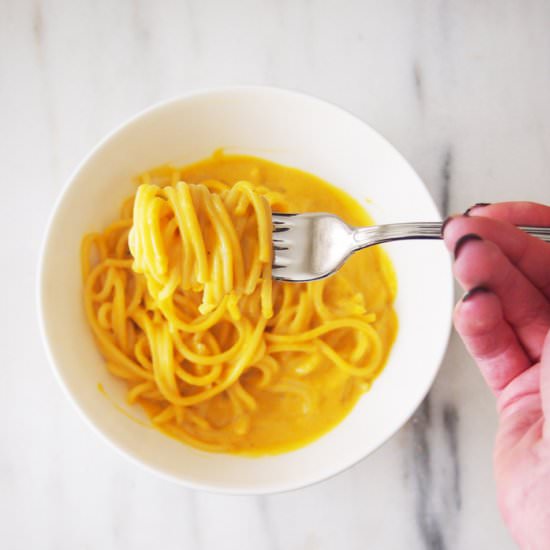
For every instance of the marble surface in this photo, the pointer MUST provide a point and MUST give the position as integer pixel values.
(461, 87)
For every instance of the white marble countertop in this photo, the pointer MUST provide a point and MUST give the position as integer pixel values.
(461, 87)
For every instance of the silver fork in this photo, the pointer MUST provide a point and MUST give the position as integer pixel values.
(307, 247)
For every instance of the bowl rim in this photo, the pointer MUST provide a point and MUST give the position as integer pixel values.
(266, 488)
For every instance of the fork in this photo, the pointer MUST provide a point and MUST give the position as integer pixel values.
(307, 247)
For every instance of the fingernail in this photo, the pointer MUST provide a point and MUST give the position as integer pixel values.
(476, 205)
(474, 291)
(444, 224)
(463, 240)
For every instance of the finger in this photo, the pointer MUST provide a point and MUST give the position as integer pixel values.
(479, 320)
(545, 384)
(529, 254)
(513, 397)
(520, 413)
(516, 213)
(482, 263)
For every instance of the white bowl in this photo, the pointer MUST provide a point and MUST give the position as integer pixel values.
(292, 129)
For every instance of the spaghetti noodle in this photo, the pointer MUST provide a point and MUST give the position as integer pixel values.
(179, 296)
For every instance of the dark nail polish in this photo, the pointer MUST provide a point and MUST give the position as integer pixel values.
(476, 205)
(473, 291)
(444, 224)
(463, 240)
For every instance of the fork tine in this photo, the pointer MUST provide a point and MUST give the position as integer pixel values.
(280, 262)
(281, 256)
(279, 240)
(281, 221)
(276, 215)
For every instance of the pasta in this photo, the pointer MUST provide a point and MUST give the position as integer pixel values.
(179, 296)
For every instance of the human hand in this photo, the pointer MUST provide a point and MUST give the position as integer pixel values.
(504, 321)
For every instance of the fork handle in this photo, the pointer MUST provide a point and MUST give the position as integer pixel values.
(378, 234)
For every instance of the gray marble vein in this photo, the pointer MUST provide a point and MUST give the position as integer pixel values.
(450, 425)
(426, 512)
(446, 180)
(418, 82)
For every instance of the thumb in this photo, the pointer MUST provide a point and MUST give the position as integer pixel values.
(545, 383)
